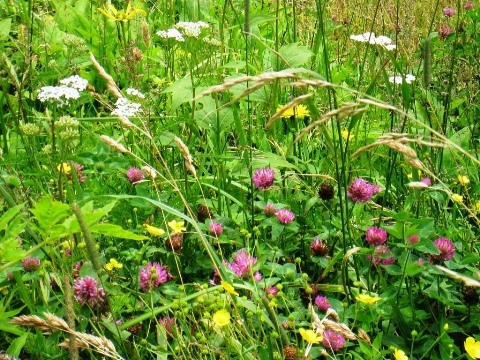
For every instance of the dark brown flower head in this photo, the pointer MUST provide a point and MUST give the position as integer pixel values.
(290, 352)
(326, 191)
(318, 247)
(174, 243)
(470, 295)
(203, 213)
(134, 329)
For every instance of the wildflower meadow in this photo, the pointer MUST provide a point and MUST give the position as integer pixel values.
(239, 180)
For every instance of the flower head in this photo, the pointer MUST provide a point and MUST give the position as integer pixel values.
(322, 303)
(263, 178)
(30, 264)
(399, 79)
(154, 231)
(228, 288)
(310, 336)
(135, 92)
(75, 82)
(221, 317)
(169, 324)
(60, 95)
(134, 175)
(242, 265)
(116, 15)
(446, 248)
(177, 226)
(298, 111)
(171, 34)
(271, 291)
(399, 354)
(379, 257)
(326, 191)
(445, 31)
(152, 276)
(413, 239)
(285, 216)
(126, 108)
(269, 210)
(333, 340)
(426, 181)
(457, 198)
(113, 264)
(468, 5)
(87, 290)
(448, 12)
(216, 229)
(191, 29)
(362, 191)
(318, 247)
(463, 180)
(472, 347)
(376, 236)
(367, 299)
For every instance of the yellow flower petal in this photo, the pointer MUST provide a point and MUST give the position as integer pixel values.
(221, 317)
(310, 336)
(177, 226)
(457, 198)
(228, 288)
(64, 167)
(462, 179)
(367, 299)
(472, 347)
(399, 355)
(152, 230)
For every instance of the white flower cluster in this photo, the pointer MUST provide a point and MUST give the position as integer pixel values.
(75, 82)
(57, 94)
(69, 89)
(370, 37)
(399, 80)
(171, 34)
(191, 29)
(212, 41)
(135, 92)
(125, 108)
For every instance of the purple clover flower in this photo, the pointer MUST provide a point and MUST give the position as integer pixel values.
(263, 178)
(152, 276)
(216, 228)
(269, 210)
(376, 236)
(362, 191)
(87, 290)
(333, 340)
(379, 258)
(242, 265)
(426, 181)
(271, 291)
(448, 12)
(30, 264)
(134, 175)
(446, 248)
(322, 303)
(285, 216)
(468, 5)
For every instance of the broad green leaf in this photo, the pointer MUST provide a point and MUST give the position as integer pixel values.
(5, 26)
(48, 213)
(9, 251)
(181, 92)
(116, 231)
(295, 55)
(17, 345)
(5, 326)
(9, 215)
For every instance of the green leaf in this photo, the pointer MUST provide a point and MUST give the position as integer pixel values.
(5, 26)
(17, 345)
(295, 55)
(9, 215)
(48, 213)
(181, 91)
(116, 231)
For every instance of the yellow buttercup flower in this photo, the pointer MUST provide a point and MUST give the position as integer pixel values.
(367, 299)
(113, 264)
(310, 336)
(177, 226)
(399, 354)
(462, 179)
(221, 317)
(472, 347)
(64, 167)
(113, 14)
(457, 198)
(299, 111)
(476, 207)
(228, 288)
(346, 134)
(154, 231)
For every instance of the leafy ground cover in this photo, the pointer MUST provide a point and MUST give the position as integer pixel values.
(239, 180)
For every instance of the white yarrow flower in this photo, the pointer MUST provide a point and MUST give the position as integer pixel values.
(125, 108)
(171, 34)
(399, 80)
(57, 94)
(191, 29)
(135, 92)
(75, 82)
(370, 37)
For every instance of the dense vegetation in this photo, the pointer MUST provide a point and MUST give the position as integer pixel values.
(239, 180)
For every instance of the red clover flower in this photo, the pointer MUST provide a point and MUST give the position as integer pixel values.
(285, 216)
(446, 248)
(263, 178)
(376, 236)
(216, 228)
(134, 175)
(448, 12)
(333, 340)
(87, 290)
(322, 303)
(30, 264)
(362, 191)
(152, 276)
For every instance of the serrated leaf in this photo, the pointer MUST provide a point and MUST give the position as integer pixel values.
(9, 215)
(48, 213)
(116, 231)
(9, 251)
